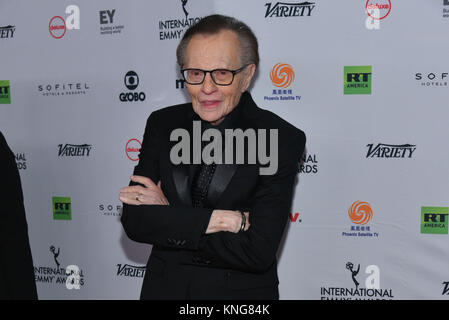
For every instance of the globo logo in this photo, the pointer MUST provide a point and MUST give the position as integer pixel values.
(131, 83)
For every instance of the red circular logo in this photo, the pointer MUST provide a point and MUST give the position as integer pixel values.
(132, 149)
(378, 9)
(57, 27)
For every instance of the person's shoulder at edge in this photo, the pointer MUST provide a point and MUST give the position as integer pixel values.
(5, 150)
(2, 140)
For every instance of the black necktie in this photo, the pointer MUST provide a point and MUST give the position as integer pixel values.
(201, 181)
(200, 184)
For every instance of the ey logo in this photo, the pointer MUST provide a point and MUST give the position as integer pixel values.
(62, 208)
(282, 75)
(434, 220)
(107, 16)
(357, 80)
(360, 212)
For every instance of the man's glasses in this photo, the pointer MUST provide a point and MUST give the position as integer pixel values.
(221, 77)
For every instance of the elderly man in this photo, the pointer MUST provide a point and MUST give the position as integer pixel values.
(215, 227)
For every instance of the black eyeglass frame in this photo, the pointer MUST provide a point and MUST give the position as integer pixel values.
(234, 72)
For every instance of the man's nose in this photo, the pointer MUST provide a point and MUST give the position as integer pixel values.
(208, 86)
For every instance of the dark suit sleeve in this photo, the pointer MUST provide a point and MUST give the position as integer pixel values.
(255, 250)
(16, 263)
(162, 225)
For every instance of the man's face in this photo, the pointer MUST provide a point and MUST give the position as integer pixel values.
(219, 51)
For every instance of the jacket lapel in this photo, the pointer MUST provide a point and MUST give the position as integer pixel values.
(182, 181)
(183, 173)
(220, 180)
(224, 172)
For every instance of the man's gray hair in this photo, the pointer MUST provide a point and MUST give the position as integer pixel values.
(213, 24)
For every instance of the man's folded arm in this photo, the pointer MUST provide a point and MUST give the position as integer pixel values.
(184, 227)
(162, 225)
(255, 250)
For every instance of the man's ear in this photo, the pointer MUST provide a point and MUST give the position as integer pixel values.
(248, 74)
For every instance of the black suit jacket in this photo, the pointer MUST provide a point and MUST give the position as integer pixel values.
(16, 263)
(185, 263)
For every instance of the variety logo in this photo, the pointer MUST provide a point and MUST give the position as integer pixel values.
(63, 89)
(360, 213)
(432, 79)
(434, 220)
(282, 76)
(371, 291)
(127, 270)
(5, 93)
(107, 23)
(72, 276)
(282, 9)
(382, 150)
(7, 32)
(383, 7)
(171, 29)
(445, 288)
(58, 26)
(74, 150)
(21, 161)
(132, 149)
(357, 80)
(131, 82)
(62, 208)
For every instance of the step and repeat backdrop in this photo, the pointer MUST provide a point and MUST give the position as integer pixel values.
(366, 80)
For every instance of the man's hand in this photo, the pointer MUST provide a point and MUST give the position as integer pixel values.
(137, 195)
(226, 220)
